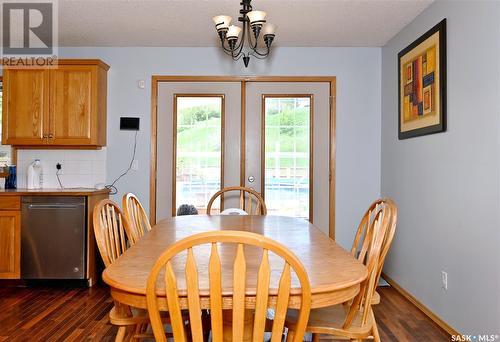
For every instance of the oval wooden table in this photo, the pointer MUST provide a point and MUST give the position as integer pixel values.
(334, 275)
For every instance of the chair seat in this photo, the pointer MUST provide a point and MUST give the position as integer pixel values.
(376, 298)
(330, 320)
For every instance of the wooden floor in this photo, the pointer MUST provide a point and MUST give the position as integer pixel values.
(69, 314)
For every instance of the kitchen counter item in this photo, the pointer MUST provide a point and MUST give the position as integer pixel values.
(35, 175)
(11, 180)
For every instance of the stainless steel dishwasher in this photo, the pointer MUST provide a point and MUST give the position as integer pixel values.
(53, 230)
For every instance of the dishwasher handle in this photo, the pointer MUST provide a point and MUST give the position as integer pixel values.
(54, 206)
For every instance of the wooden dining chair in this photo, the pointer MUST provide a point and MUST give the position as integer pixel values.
(388, 238)
(111, 229)
(136, 215)
(112, 232)
(358, 250)
(355, 320)
(242, 298)
(248, 205)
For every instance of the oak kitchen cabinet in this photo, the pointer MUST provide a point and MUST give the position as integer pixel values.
(10, 237)
(64, 106)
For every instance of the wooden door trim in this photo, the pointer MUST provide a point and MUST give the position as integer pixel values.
(156, 79)
(243, 144)
(311, 145)
(333, 157)
(174, 144)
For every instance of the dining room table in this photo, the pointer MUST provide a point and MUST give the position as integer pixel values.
(334, 274)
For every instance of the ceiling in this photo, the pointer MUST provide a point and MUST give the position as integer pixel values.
(189, 23)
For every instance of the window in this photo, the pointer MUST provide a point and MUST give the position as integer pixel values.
(287, 122)
(198, 149)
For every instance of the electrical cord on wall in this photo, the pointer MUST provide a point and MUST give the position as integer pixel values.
(59, 179)
(113, 189)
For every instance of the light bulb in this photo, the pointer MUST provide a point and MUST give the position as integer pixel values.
(233, 32)
(268, 29)
(222, 22)
(257, 17)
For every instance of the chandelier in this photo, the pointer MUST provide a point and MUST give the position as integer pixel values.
(229, 35)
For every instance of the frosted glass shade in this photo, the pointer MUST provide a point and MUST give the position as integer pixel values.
(268, 29)
(222, 21)
(257, 17)
(233, 32)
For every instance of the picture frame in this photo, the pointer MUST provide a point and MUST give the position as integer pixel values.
(422, 85)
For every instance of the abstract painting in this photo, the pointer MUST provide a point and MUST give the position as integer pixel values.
(422, 84)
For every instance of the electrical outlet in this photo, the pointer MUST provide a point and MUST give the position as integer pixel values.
(444, 280)
(135, 165)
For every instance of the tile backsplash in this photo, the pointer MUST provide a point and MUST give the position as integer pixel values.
(80, 168)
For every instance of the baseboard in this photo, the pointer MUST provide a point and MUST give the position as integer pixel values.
(442, 324)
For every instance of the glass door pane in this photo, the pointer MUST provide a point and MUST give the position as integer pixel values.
(198, 150)
(287, 122)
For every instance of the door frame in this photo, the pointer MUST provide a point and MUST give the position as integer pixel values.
(156, 79)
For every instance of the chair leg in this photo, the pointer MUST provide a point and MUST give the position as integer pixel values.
(376, 336)
(120, 335)
(315, 338)
(137, 331)
(289, 337)
(131, 331)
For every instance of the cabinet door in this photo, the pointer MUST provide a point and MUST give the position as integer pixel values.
(72, 105)
(25, 106)
(10, 244)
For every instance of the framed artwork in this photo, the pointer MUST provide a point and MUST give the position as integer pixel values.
(422, 84)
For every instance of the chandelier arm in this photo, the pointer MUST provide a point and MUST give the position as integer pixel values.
(257, 56)
(252, 45)
(242, 41)
(256, 53)
(238, 57)
(227, 50)
(228, 53)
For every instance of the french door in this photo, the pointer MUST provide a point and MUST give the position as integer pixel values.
(274, 137)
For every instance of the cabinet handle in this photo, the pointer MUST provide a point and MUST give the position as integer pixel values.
(51, 136)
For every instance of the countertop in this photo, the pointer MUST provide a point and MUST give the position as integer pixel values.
(53, 192)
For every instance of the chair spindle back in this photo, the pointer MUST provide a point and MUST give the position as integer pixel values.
(263, 298)
(247, 204)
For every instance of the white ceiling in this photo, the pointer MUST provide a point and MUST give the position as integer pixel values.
(189, 23)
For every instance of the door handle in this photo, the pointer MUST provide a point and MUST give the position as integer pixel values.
(52, 206)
